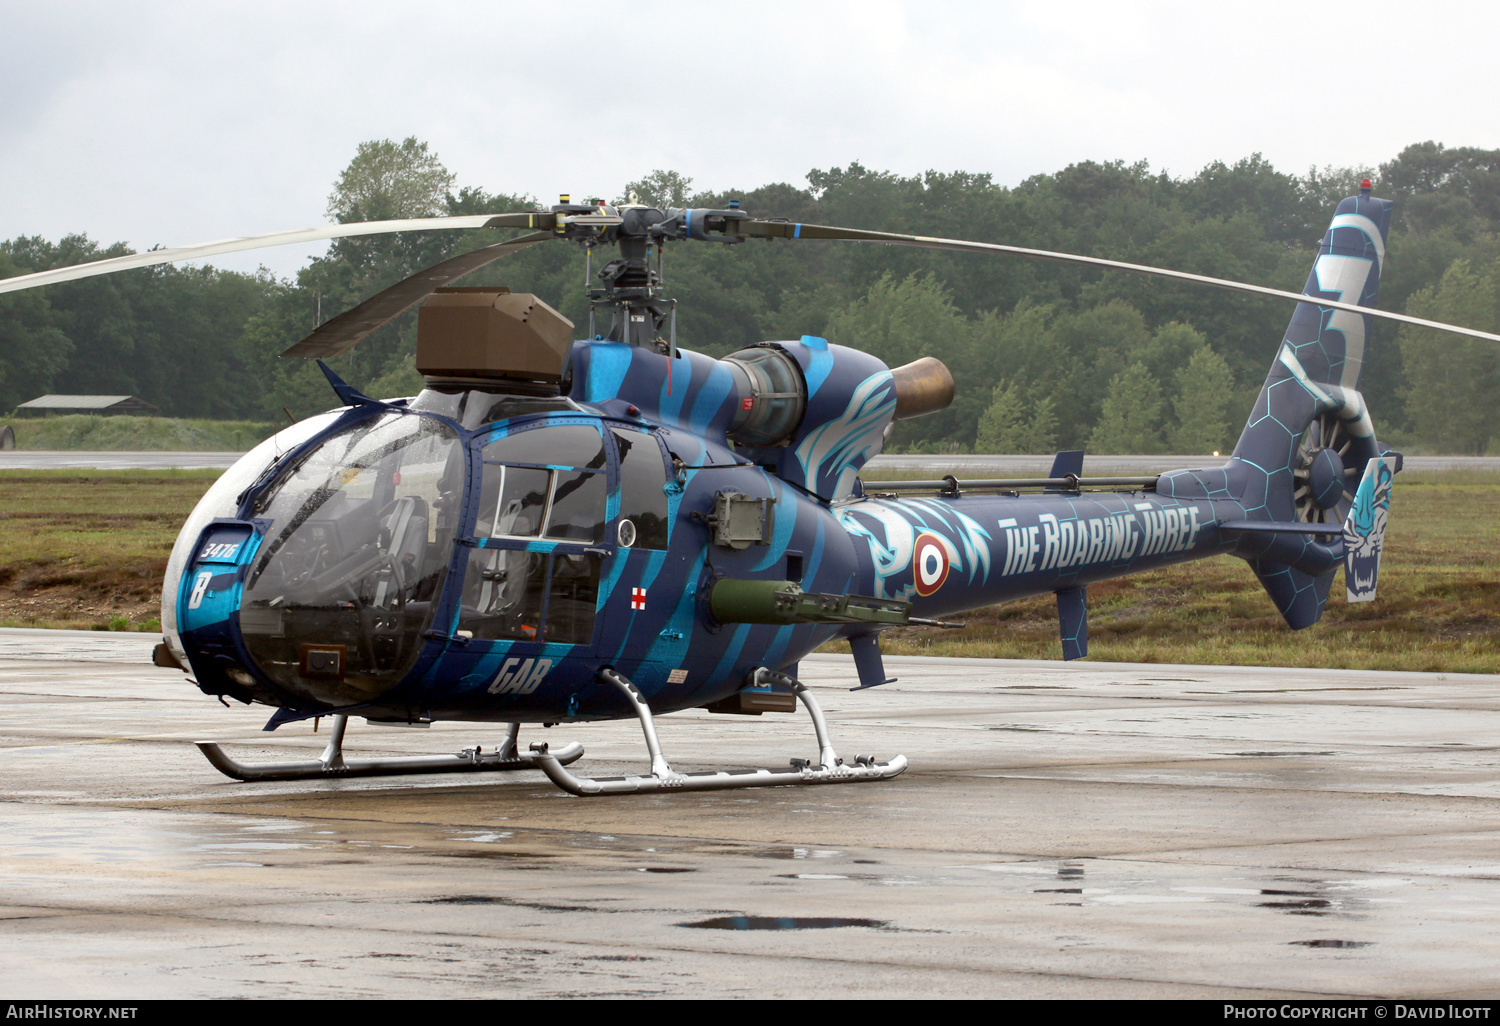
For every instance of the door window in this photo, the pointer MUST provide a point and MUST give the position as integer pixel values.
(543, 485)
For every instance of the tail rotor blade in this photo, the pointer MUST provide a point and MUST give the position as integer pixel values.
(343, 332)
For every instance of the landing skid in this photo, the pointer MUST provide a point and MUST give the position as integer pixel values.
(333, 764)
(830, 769)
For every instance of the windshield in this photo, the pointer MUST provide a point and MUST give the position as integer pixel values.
(347, 578)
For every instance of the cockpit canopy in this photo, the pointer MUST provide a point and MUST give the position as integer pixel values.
(360, 538)
(364, 529)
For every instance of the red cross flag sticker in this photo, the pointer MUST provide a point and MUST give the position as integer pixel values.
(637, 598)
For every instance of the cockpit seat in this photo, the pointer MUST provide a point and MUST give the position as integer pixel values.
(406, 527)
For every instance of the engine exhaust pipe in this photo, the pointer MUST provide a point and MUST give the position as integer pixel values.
(923, 386)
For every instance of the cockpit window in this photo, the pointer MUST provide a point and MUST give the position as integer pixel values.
(354, 560)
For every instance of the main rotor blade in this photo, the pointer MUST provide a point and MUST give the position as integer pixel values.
(755, 229)
(332, 231)
(343, 332)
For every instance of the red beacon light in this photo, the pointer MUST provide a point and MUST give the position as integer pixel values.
(1365, 186)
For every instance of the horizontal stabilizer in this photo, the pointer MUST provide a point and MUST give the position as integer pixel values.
(1364, 530)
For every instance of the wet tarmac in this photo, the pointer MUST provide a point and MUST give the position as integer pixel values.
(1089, 830)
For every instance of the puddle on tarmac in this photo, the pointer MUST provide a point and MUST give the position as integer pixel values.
(484, 837)
(249, 846)
(1302, 907)
(1322, 943)
(1287, 691)
(1316, 901)
(107, 835)
(501, 855)
(1276, 755)
(664, 869)
(782, 923)
(489, 899)
(792, 853)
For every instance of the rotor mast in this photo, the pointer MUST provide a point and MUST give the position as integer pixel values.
(626, 292)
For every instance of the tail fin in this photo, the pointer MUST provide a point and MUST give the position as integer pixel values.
(1310, 434)
(1364, 530)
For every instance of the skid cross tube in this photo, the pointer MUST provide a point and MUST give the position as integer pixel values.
(830, 769)
(333, 764)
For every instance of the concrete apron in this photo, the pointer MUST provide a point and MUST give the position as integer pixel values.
(1080, 830)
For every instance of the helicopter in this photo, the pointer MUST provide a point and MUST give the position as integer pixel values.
(560, 530)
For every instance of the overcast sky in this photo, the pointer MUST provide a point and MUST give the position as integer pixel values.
(173, 123)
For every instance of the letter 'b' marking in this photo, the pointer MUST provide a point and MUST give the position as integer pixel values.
(200, 586)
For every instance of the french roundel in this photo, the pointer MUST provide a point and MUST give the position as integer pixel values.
(930, 557)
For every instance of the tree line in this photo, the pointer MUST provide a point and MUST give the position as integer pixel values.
(1046, 356)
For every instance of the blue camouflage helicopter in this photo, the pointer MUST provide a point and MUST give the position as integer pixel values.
(560, 530)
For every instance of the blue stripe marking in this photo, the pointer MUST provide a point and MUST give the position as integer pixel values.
(797, 231)
(772, 654)
(482, 672)
(786, 520)
(536, 545)
(673, 651)
(711, 397)
(810, 573)
(609, 580)
(487, 666)
(820, 363)
(731, 653)
(674, 496)
(608, 364)
(682, 379)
